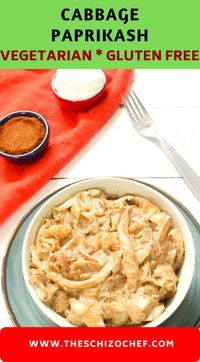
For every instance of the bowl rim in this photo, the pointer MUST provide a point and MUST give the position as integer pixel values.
(30, 114)
(81, 101)
(61, 321)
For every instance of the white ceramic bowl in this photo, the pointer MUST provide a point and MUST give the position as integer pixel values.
(119, 186)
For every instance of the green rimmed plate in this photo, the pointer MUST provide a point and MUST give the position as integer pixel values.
(24, 312)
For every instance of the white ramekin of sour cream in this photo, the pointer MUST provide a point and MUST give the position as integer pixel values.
(79, 89)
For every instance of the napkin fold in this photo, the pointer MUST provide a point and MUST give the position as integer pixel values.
(69, 131)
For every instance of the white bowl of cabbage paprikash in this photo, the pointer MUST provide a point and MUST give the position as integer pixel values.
(108, 252)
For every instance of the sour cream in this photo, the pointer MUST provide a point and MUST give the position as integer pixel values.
(78, 84)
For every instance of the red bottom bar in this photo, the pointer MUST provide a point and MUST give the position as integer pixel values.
(141, 344)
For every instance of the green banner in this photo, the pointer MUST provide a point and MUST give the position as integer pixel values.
(101, 34)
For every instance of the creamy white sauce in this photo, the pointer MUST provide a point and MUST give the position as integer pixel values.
(78, 84)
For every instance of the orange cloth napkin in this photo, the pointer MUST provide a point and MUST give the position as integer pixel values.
(69, 131)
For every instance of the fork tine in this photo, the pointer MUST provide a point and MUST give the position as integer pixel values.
(137, 112)
(133, 94)
(135, 104)
(130, 109)
(133, 110)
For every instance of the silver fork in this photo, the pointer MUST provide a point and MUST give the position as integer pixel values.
(146, 127)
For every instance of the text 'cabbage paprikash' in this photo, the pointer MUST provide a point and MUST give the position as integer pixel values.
(103, 261)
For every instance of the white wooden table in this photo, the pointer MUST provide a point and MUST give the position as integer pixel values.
(173, 99)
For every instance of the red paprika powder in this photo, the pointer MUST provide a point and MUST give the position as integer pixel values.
(21, 134)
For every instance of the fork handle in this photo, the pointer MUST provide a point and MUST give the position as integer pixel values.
(184, 169)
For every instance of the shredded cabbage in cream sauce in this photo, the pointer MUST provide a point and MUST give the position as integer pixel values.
(102, 261)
